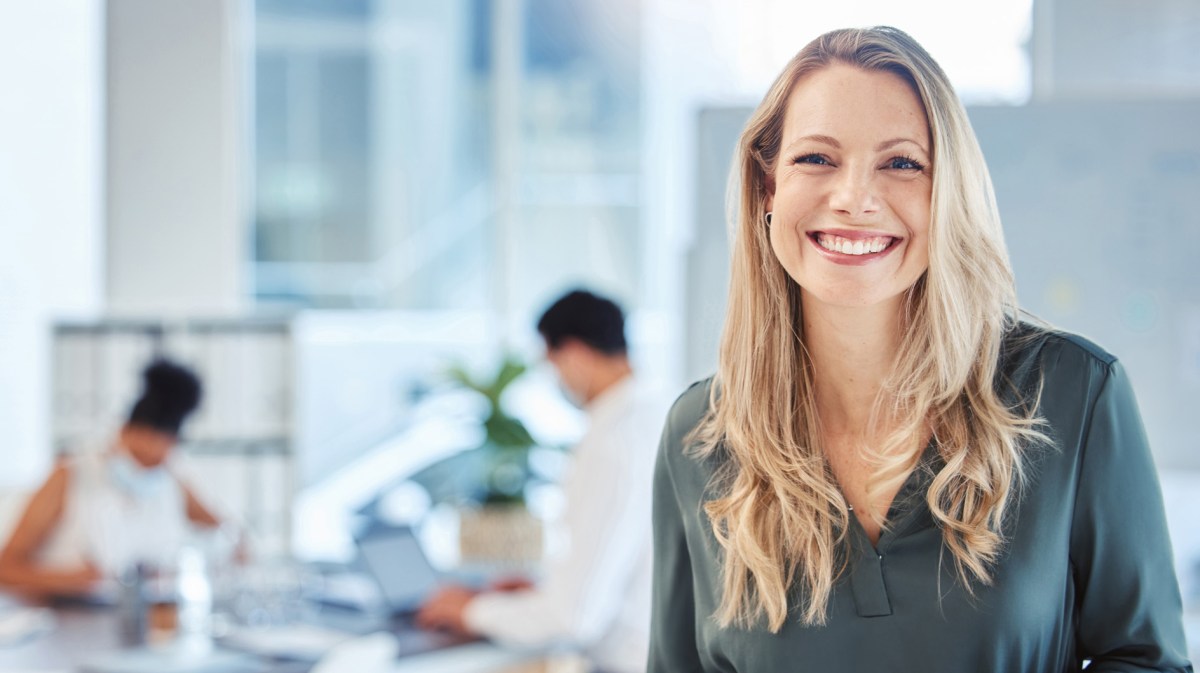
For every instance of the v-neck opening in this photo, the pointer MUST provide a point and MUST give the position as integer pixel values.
(868, 575)
(904, 506)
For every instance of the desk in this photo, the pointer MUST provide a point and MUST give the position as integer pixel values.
(83, 633)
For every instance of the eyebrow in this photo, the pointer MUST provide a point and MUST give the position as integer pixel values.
(888, 144)
(818, 138)
(832, 142)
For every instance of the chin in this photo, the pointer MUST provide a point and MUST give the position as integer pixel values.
(854, 299)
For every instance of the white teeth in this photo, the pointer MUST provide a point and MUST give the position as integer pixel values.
(862, 246)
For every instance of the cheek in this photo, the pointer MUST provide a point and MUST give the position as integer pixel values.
(916, 260)
(782, 246)
(918, 225)
(152, 454)
(577, 379)
(798, 204)
(911, 203)
(791, 251)
(784, 236)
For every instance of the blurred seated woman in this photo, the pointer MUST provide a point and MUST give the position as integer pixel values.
(101, 513)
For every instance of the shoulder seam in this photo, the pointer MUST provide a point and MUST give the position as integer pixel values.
(1093, 350)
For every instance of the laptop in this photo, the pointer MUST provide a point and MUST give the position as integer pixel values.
(393, 557)
(396, 564)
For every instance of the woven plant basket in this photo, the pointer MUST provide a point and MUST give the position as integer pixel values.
(499, 535)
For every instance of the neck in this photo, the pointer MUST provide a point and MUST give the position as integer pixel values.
(852, 352)
(609, 372)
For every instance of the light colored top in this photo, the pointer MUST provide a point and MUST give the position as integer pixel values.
(104, 524)
(597, 595)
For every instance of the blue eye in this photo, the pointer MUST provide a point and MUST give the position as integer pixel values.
(815, 159)
(905, 164)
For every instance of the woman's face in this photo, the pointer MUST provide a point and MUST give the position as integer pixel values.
(851, 187)
(147, 446)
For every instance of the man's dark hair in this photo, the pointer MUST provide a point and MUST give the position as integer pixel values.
(582, 315)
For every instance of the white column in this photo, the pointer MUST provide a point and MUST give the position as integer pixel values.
(51, 76)
(178, 232)
(508, 43)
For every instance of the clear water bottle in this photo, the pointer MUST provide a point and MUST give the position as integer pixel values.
(195, 595)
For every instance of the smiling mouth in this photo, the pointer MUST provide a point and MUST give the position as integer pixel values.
(857, 247)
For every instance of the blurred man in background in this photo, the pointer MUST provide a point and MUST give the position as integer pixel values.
(596, 596)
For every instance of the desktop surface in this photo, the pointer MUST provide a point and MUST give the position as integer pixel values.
(86, 638)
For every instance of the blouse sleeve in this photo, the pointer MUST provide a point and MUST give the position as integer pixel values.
(1130, 617)
(673, 611)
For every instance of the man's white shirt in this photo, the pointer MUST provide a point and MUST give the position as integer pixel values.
(597, 595)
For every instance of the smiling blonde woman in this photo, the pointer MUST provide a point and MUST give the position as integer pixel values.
(891, 470)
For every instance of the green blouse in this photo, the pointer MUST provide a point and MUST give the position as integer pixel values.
(1087, 572)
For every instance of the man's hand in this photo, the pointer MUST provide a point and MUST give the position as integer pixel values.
(446, 610)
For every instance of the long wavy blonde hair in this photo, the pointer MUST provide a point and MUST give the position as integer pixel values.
(778, 512)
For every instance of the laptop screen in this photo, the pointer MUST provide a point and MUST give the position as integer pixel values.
(395, 559)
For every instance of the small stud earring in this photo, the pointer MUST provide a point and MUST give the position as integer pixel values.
(767, 217)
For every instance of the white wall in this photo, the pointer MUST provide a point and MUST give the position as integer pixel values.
(176, 235)
(1115, 49)
(51, 66)
(1087, 237)
(172, 193)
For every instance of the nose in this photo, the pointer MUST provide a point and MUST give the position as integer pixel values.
(854, 194)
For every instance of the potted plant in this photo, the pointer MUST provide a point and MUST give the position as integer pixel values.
(496, 527)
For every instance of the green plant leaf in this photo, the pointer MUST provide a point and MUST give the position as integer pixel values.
(458, 374)
(503, 475)
(506, 431)
(509, 372)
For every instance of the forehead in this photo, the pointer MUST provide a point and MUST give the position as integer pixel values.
(854, 105)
